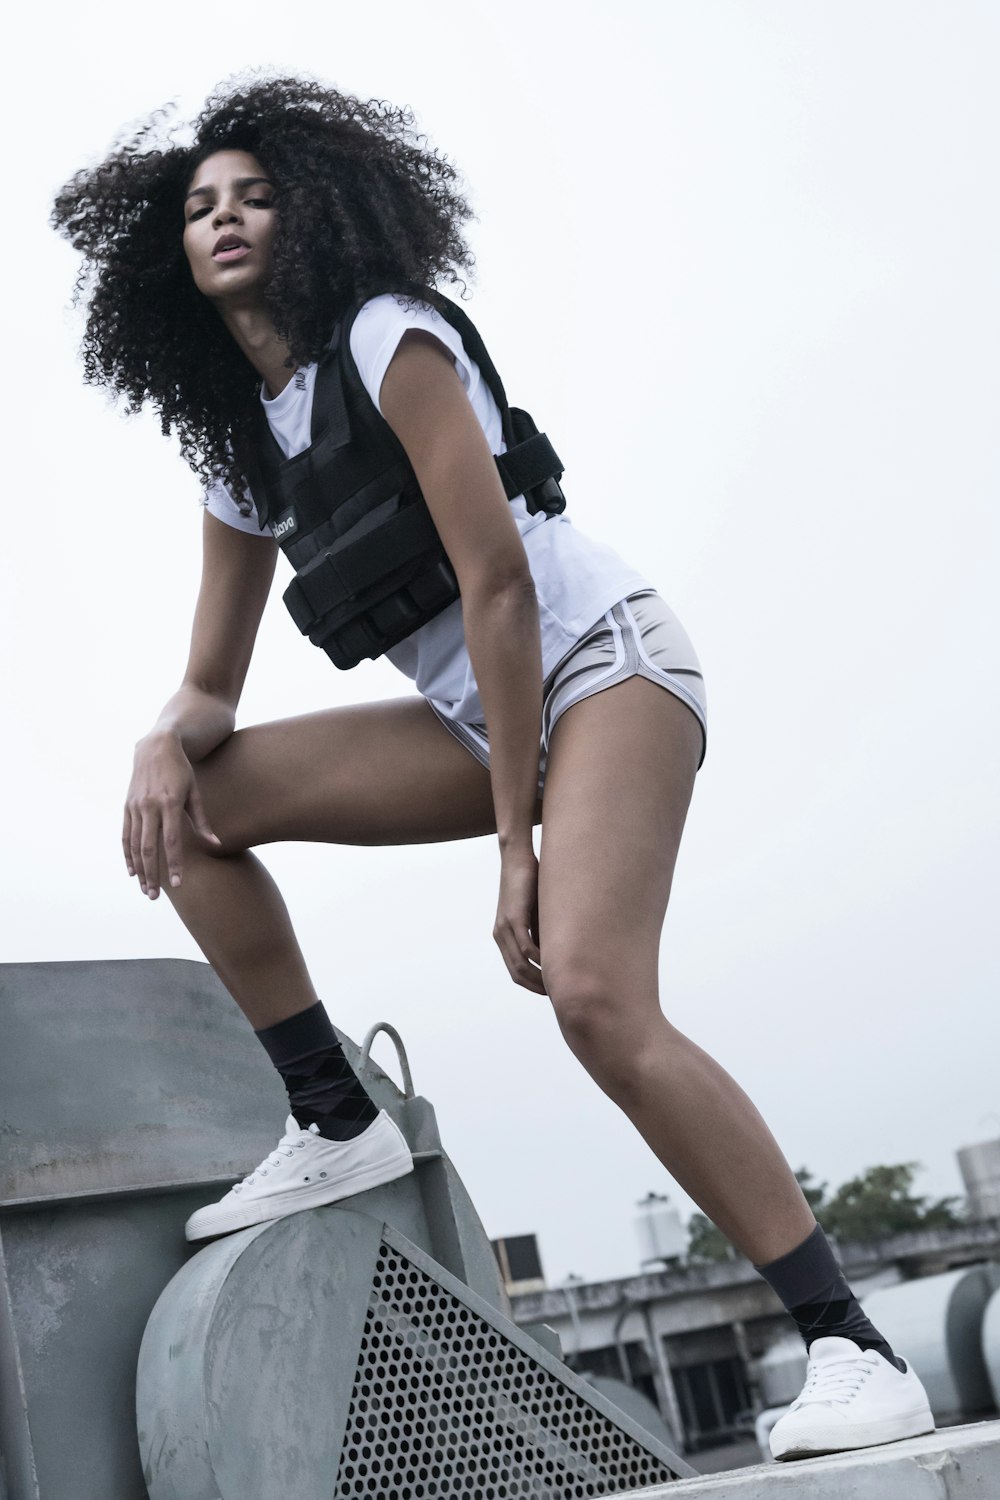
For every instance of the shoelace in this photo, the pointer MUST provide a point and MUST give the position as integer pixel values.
(834, 1381)
(287, 1146)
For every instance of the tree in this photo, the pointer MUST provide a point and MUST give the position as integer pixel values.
(880, 1203)
(813, 1195)
(873, 1206)
(705, 1241)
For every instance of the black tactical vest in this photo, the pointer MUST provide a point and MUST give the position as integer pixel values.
(348, 513)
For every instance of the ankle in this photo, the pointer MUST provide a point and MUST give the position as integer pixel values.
(334, 1127)
(323, 1088)
(811, 1285)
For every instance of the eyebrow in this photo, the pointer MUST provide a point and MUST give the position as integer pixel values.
(240, 182)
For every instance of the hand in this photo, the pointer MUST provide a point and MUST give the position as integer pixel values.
(516, 928)
(163, 790)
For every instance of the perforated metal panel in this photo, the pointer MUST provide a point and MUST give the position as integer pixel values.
(444, 1405)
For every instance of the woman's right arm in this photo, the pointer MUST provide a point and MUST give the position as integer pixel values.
(236, 577)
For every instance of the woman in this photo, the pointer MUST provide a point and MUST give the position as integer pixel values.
(557, 688)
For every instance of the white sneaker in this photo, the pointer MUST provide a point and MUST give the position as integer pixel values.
(852, 1398)
(304, 1171)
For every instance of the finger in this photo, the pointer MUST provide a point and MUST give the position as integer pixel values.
(199, 818)
(529, 947)
(173, 845)
(523, 938)
(530, 978)
(537, 979)
(136, 817)
(127, 842)
(151, 849)
(520, 969)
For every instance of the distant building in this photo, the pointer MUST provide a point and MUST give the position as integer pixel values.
(520, 1264)
(980, 1169)
(691, 1336)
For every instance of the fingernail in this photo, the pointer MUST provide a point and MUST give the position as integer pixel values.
(175, 880)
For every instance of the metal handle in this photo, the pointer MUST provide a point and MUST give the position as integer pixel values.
(397, 1042)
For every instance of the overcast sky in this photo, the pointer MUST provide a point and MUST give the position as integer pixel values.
(739, 259)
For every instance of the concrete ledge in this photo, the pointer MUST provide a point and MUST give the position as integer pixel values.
(954, 1463)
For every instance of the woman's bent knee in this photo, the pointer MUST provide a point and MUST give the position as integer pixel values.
(607, 1029)
(188, 842)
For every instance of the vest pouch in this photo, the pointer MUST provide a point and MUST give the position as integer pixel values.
(348, 567)
(378, 617)
(380, 629)
(533, 446)
(392, 615)
(435, 588)
(380, 626)
(350, 645)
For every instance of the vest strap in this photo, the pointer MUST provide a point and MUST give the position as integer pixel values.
(355, 567)
(525, 466)
(476, 349)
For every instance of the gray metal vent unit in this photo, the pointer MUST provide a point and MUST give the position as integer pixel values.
(363, 1349)
(445, 1405)
(327, 1356)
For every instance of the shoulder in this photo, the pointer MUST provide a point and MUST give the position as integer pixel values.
(218, 500)
(380, 325)
(391, 310)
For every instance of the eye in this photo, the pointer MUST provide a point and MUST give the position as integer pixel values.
(199, 213)
(260, 202)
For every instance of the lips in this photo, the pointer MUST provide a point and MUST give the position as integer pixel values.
(230, 247)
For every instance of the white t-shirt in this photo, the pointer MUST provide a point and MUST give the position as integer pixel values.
(576, 579)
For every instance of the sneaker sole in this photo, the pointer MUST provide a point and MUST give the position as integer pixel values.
(860, 1435)
(209, 1222)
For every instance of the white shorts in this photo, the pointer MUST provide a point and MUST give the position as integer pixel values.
(638, 637)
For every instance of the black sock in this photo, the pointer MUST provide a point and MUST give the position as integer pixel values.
(812, 1287)
(323, 1088)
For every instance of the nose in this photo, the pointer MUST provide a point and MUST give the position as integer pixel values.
(225, 215)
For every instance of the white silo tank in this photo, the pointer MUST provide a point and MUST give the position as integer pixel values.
(937, 1322)
(662, 1236)
(980, 1169)
(991, 1344)
(781, 1370)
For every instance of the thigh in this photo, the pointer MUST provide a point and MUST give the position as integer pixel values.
(374, 773)
(620, 775)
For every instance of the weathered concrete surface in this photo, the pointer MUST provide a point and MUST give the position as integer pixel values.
(954, 1463)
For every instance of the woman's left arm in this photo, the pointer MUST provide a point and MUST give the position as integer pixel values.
(424, 403)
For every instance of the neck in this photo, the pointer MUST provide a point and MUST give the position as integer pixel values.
(252, 328)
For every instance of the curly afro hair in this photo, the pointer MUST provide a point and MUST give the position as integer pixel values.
(364, 206)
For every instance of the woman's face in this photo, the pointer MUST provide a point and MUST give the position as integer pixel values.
(229, 226)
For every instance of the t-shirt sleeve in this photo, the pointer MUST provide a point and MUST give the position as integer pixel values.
(378, 328)
(219, 500)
